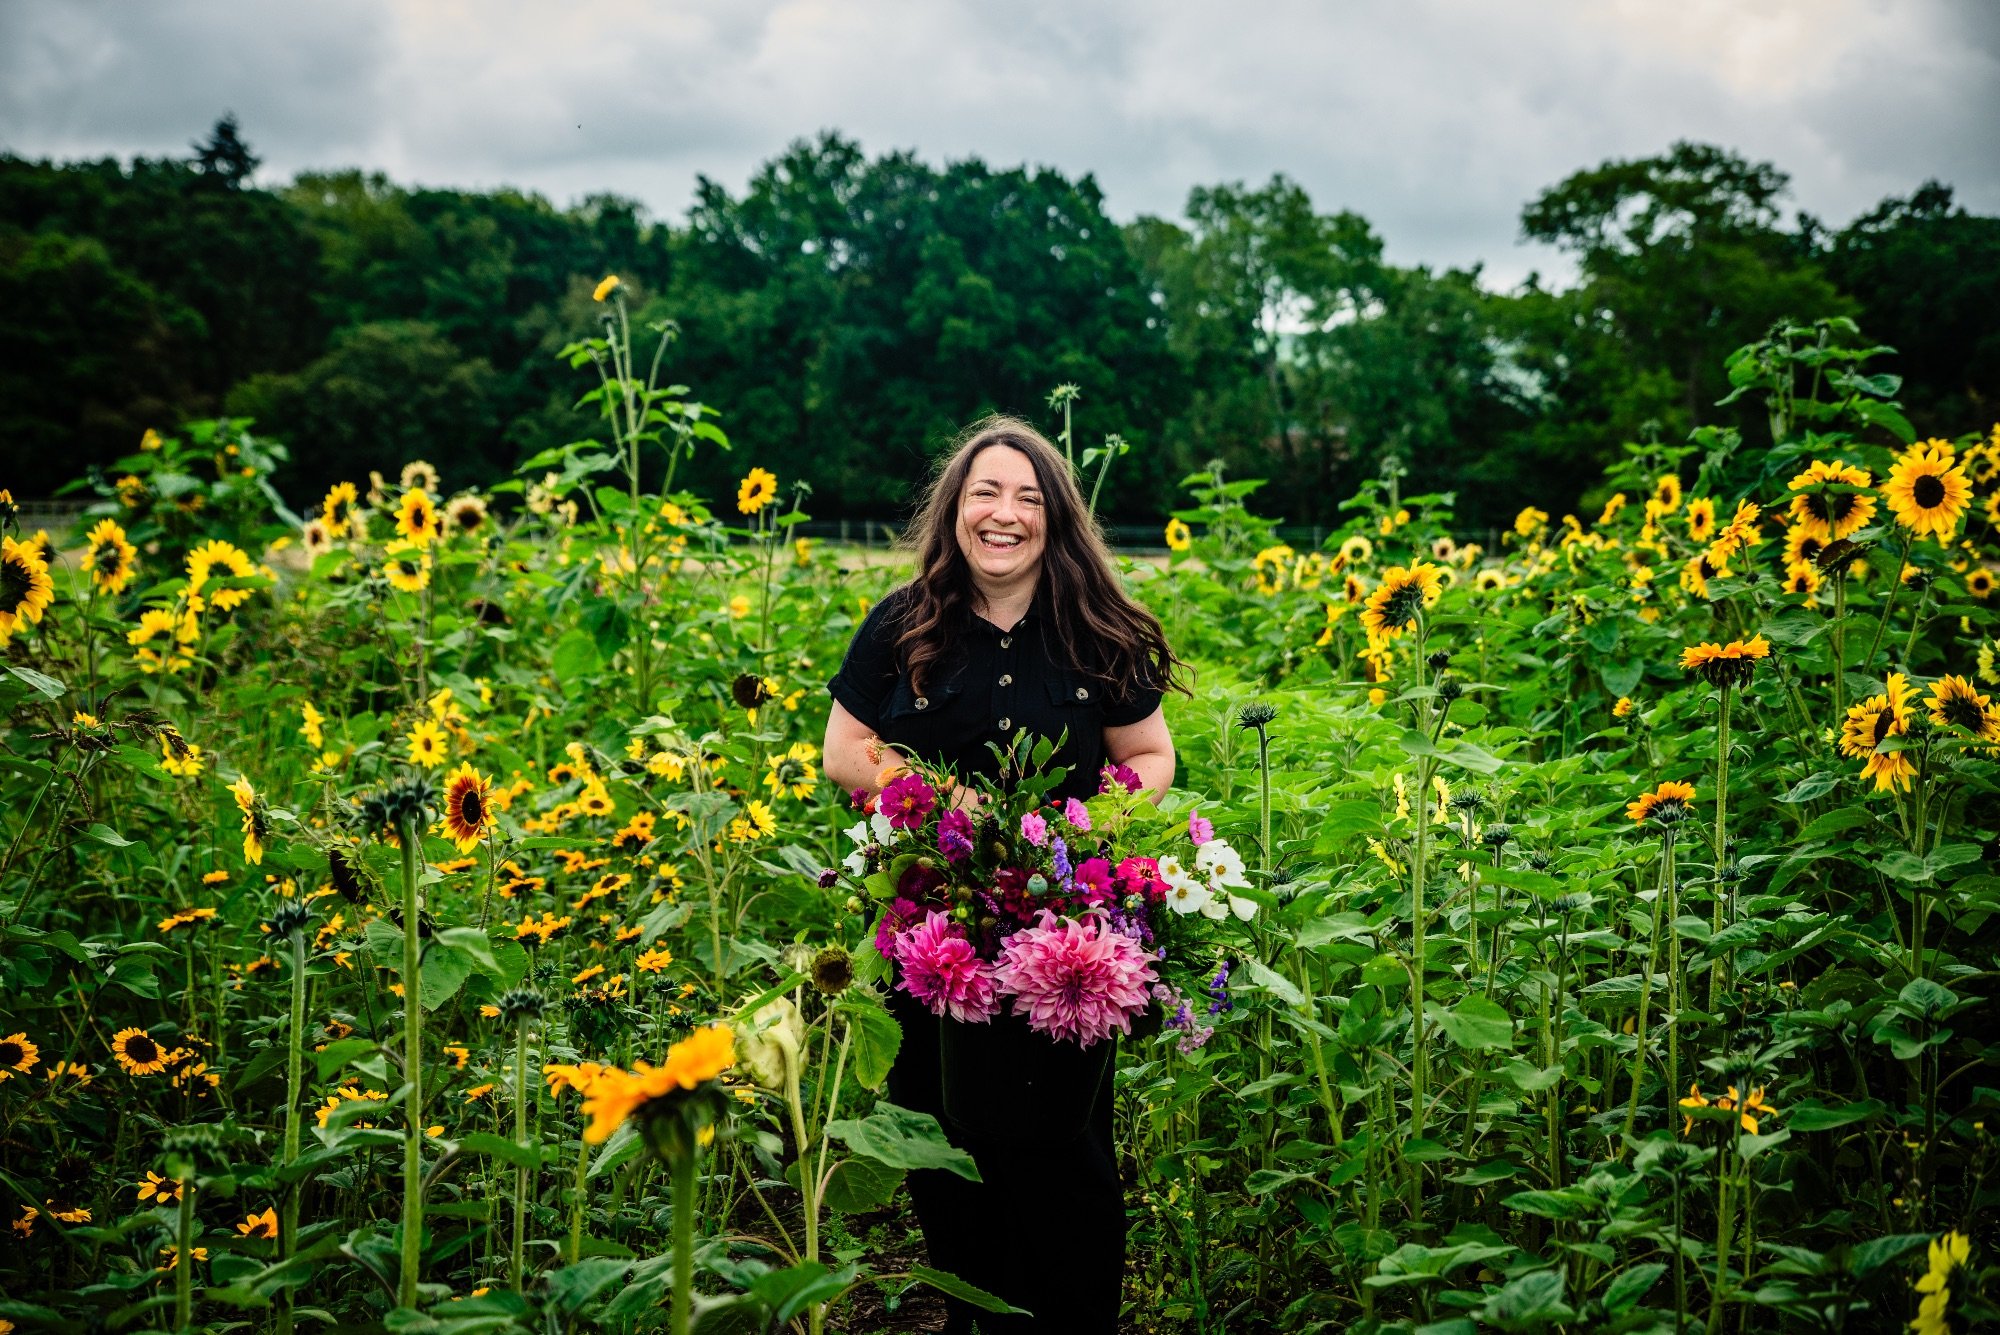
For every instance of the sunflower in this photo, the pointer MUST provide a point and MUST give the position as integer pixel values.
(758, 490)
(419, 475)
(1955, 703)
(594, 800)
(605, 287)
(410, 574)
(1357, 549)
(109, 557)
(1740, 532)
(17, 1054)
(1701, 520)
(137, 1053)
(1179, 536)
(1825, 507)
(465, 514)
(1926, 493)
(427, 744)
(1696, 574)
(1803, 579)
(1725, 664)
(417, 518)
(1530, 521)
(793, 770)
(1489, 580)
(1271, 565)
(337, 510)
(468, 807)
(25, 587)
(256, 827)
(165, 1190)
(1665, 805)
(1803, 544)
(314, 539)
(1393, 607)
(616, 1095)
(1979, 583)
(179, 631)
(263, 1225)
(1667, 492)
(1874, 721)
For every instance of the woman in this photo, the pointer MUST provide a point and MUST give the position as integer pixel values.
(1016, 622)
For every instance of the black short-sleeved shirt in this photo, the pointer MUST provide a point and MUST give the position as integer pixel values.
(1000, 684)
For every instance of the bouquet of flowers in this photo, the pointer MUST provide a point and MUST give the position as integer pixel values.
(1067, 913)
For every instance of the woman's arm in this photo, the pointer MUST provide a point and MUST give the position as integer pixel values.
(1145, 747)
(845, 753)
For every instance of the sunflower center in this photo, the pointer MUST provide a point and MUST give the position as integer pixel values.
(142, 1050)
(11, 1053)
(472, 809)
(1928, 491)
(1959, 710)
(1883, 720)
(14, 585)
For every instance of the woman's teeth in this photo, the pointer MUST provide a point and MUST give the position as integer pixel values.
(999, 540)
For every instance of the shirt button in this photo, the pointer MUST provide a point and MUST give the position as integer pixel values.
(1006, 723)
(1006, 641)
(923, 702)
(1006, 679)
(1082, 694)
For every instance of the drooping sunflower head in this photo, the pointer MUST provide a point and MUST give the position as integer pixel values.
(1402, 594)
(138, 1053)
(1725, 664)
(25, 587)
(1927, 492)
(756, 491)
(468, 807)
(1668, 804)
(417, 518)
(109, 557)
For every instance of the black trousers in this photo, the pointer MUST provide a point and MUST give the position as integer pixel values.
(1044, 1229)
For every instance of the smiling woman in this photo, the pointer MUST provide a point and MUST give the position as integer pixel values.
(1016, 624)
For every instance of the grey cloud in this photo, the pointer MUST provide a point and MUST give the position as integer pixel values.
(1436, 120)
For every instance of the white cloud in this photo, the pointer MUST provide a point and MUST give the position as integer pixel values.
(1435, 119)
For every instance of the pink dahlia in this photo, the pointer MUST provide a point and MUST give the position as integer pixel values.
(1077, 980)
(941, 970)
(907, 802)
(1035, 829)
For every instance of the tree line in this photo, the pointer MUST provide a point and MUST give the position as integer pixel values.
(846, 314)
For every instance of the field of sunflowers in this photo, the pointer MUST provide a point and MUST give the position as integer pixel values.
(423, 912)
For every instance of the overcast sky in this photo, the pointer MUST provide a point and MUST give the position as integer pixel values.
(1435, 119)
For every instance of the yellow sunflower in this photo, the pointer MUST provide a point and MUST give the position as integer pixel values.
(17, 1054)
(1665, 804)
(1740, 532)
(1802, 578)
(1824, 507)
(792, 771)
(1696, 574)
(1725, 664)
(109, 558)
(1955, 703)
(256, 826)
(406, 572)
(1357, 549)
(1271, 566)
(616, 1095)
(758, 490)
(179, 631)
(1393, 607)
(465, 514)
(1926, 492)
(1667, 492)
(337, 510)
(605, 287)
(232, 561)
(25, 587)
(417, 518)
(1530, 522)
(1979, 583)
(1179, 536)
(263, 1225)
(137, 1053)
(1701, 520)
(468, 807)
(1803, 544)
(427, 744)
(421, 476)
(1874, 721)
(1489, 580)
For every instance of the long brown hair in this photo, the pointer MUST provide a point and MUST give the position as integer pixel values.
(1096, 625)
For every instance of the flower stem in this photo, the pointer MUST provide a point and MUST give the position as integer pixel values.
(413, 1071)
(288, 1239)
(683, 1292)
(520, 1138)
(1721, 835)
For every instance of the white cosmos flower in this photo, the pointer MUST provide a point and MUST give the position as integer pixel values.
(1185, 894)
(859, 834)
(855, 862)
(1223, 867)
(884, 832)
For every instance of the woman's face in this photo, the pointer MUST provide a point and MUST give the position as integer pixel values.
(1001, 523)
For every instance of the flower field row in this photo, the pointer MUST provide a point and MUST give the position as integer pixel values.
(424, 910)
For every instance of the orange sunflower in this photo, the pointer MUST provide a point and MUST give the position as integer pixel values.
(616, 1095)
(1392, 608)
(1872, 722)
(1725, 664)
(1666, 804)
(468, 807)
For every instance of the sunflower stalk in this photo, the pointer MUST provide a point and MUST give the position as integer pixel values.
(411, 830)
(288, 1239)
(520, 1138)
(1721, 836)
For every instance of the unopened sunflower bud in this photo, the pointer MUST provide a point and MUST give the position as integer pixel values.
(286, 919)
(518, 1003)
(1257, 714)
(768, 1042)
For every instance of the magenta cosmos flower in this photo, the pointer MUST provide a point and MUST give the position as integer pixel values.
(1077, 980)
(907, 802)
(941, 970)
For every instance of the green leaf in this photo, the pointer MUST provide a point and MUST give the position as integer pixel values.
(1477, 1024)
(1528, 1302)
(575, 657)
(1266, 1180)
(570, 1287)
(107, 836)
(1813, 1117)
(1812, 786)
(1279, 986)
(876, 1037)
(338, 1053)
(476, 946)
(501, 1147)
(1622, 678)
(1566, 1204)
(444, 972)
(859, 1185)
(42, 682)
(951, 1284)
(1628, 1287)
(901, 1138)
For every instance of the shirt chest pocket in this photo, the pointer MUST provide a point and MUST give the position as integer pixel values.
(940, 699)
(1070, 692)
